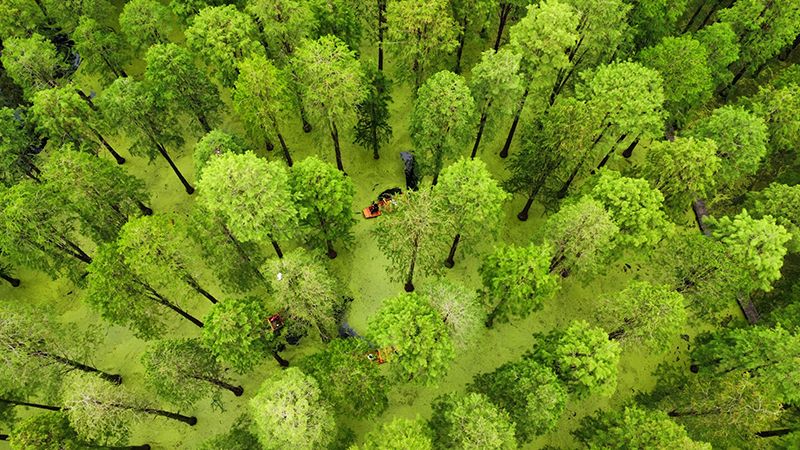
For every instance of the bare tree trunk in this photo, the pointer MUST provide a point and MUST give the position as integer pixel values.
(144, 208)
(629, 151)
(285, 149)
(282, 362)
(199, 289)
(186, 185)
(381, 26)
(505, 10)
(116, 379)
(117, 156)
(461, 40)
(30, 405)
(507, 145)
(237, 390)
(192, 421)
(11, 280)
(277, 248)
(481, 127)
(336, 148)
(158, 298)
(450, 262)
(409, 286)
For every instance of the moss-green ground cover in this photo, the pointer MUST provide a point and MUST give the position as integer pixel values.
(362, 266)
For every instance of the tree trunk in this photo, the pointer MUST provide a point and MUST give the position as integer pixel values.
(374, 132)
(409, 286)
(117, 156)
(285, 149)
(186, 185)
(192, 421)
(164, 302)
(461, 40)
(144, 208)
(629, 151)
(11, 280)
(507, 145)
(199, 289)
(774, 433)
(490, 318)
(201, 117)
(523, 215)
(694, 16)
(306, 126)
(79, 253)
(86, 99)
(784, 55)
(268, 145)
(30, 405)
(282, 362)
(611, 151)
(116, 379)
(481, 127)
(336, 148)
(277, 249)
(3, 437)
(237, 390)
(616, 334)
(381, 24)
(331, 252)
(505, 10)
(450, 262)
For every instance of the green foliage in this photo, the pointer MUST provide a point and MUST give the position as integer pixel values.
(180, 85)
(683, 170)
(238, 333)
(645, 315)
(348, 380)
(16, 160)
(634, 427)
(459, 309)
(215, 142)
(99, 192)
(471, 421)
(63, 116)
(528, 392)
(651, 20)
(372, 127)
(421, 342)
(19, 18)
(399, 434)
(516, 281)
(239, 437)
(283, 24)
(338, 18)
(251, 195)
(183, 371)
(32, 63)
(473, 200)
(722, 45)
(783, 203)
(145, 23)
(432, 28)
(103, 51)
(223, 36)
(261, 98)
(441, 122)
(756, 246)
(581, 236)
(289, 412)
(741, 139)
(603, 29)
(308, 292)
(582, 356)
(49, 431)
(683, 62)
(495, 83)
(634, 207)
(67, 13)
(324, 198)
(780, 107)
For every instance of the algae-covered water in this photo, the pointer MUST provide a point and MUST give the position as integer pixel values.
(362, 267)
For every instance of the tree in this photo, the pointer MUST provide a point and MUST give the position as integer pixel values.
(123, 298)
(441, 121)
(421, 347)
(755, 245)
(16, 157)
(6, 269)
(432, 31)
(61, 114)
(471, 421)
(651, 20)
(473, 200)
(410, 236)
(289, 412)
(507, 10)
(49, 431)
(463, 11)
(528, 392)
(104, 414)
(40, 352)
(214, 143)
(683, 170)
(20, 18)
(103, 51)
(324, 198)
(237, 331)
(179, 84)
(348, 380)
(581, 235)
(741, 139)
(495, 83)
(239, 437)
(338, 18)
(134, 108)
(542, 38)
(722, 45)
(38, 231)
(262, 100)
(308, 292)
(155, 248)
(65, 14)
(634, 427)
(372, 127)
(223, 37)
(683, 63)
(398, 434)
(779, 108)
(332, 84)
(102, 195)
(644, 314)
(184, 372)
(32, 63)
(145, 23)
(252, 196)
(459, 309)
(783, 203)
(582, 357)
(516, 281)
(634, 207)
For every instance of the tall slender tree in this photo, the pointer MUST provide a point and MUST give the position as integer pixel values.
(212, 144)
(471, 421)
(372, 127)
(635, 427)
(17, 159)
(145, 23)
(32, 62)
(103, 50)
(459, 308)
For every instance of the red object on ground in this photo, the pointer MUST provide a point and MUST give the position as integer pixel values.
(275, 322)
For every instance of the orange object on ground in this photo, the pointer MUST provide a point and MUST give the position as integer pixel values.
(369, 214)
